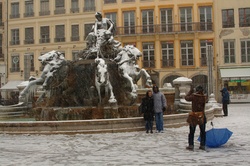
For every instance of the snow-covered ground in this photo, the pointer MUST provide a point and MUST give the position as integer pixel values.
(134, 148)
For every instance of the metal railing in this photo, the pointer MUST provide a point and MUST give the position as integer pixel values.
(15, 69)
(75, 38)
(29, 41)
(148, 64)
(168, 63)
(30, 14)
(165, 28)
(59, 39)
(45, 40)
(44, 13)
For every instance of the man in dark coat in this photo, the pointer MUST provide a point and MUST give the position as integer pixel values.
(148, 110)
(198, 105)
(225, 100)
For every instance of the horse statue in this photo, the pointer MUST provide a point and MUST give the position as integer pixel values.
(102, 80)
(52, 61)
(128, 68)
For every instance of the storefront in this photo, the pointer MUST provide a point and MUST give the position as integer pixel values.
(238, 82)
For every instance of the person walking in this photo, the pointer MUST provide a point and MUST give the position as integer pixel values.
(148, 111)
(160, 104)
(198, 100)
(225, 100)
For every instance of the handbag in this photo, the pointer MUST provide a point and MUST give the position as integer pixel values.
(195, 118)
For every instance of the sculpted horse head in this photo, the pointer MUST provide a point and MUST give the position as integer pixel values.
(51, 56)
(132, 51)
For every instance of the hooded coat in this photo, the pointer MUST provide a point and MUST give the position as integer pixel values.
(198, 101)
(225, 95)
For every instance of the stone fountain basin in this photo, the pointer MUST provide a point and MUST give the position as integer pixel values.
(91, 126)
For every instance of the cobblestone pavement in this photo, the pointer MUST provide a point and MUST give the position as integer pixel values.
(134, 148)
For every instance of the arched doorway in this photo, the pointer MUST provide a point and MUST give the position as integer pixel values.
(170, 79)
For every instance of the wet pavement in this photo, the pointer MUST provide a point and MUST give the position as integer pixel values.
(132, 148)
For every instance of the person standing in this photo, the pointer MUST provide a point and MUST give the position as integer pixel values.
(148, 111)
(160, 104)
(198, 100)
(225, 100)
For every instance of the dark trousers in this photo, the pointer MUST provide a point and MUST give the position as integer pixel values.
(202, 134)
(225, 109)
(149, 125)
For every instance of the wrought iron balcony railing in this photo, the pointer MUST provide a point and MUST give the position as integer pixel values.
(168, 63)
(89, 9)
(148, 64)
(59, 11)
(15, 42)
(44, 13)
(30, 14)
(14, 15)
(15, 69)
(165, 28)
(44, 40)
(75, 38)
(29, 41)
(74, 10)
(60, 39)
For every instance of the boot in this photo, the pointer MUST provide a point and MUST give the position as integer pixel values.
(202, 147)
(190, 147)
(151, 131)
(147, 131)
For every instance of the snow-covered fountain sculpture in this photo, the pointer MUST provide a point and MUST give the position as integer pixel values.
(102, 83)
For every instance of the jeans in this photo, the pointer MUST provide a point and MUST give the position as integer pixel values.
(159, 121)
(202, 134)
(149, 125)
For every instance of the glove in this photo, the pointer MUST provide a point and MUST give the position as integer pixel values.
(164, 109)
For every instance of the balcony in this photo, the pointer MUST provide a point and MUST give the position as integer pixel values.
(167, 63)
(44, 40)
(165, 28)
(59, 11)
(59, 39)
(109, 1)
(89, 9)
(30, 14)
(75, 38)
(74, 10)
(29, 41)
(44, 13)
(14, 69)
(15, 16)
(148, 64)
(15, 42)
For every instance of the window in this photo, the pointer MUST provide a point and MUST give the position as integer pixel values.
(59, 7)
(167, 54)
(111, 16)
(245, 50)
(89, 5)
(205, 18)
(44, 34)
(229, 53)
(74, 32)
(44, 7)
(148, 55)
(203, 51)
(109, 1)
(129, 22)
(148, 21)
(1, 45)
(75, 55)
(15, 63)
(166, 20)
(87, 29)
(128, 0)
(15, 37)
(60, 33)
(29, 35)
(187, 55)
(29, 57)
(228, 18)
(29, 8)
(15, 10)
(186, 19)
(244, 17)
(74, 6)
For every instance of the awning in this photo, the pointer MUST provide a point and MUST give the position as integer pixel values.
(235, 73)
(11, 86)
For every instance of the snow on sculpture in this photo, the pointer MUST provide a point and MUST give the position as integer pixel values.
(102, 80)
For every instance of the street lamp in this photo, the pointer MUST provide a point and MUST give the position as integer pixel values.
(210, 68)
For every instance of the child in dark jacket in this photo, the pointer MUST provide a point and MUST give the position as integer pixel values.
(148, 110)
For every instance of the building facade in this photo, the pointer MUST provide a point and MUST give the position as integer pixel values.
(232, 24)
(173, 35)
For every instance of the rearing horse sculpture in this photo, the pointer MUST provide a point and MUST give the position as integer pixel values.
(128, 68)
(102, 80)
(52, 61)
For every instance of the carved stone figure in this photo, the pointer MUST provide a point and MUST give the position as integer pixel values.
(102, 80)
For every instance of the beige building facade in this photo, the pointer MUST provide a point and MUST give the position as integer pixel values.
(232, 24)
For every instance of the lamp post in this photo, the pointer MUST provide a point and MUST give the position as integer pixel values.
(210, 69)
